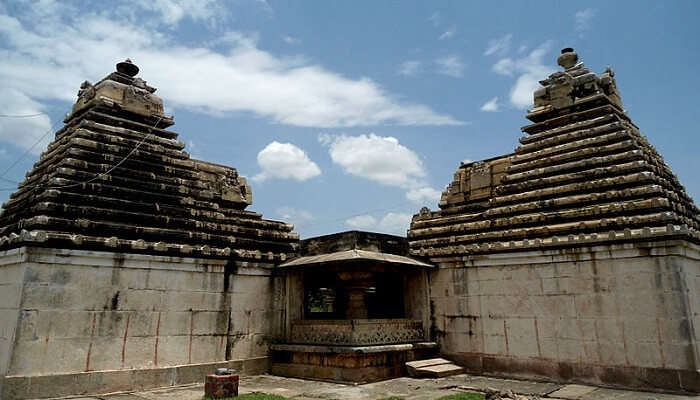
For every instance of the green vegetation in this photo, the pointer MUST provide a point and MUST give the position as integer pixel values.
(464, 396)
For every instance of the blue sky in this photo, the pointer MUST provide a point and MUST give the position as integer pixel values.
(348, 115)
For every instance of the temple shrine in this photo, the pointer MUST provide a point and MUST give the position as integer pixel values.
(126, 264)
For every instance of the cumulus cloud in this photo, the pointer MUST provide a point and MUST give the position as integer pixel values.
(298, 218)
(285, 161)
(361, 222)
(450, 66)
(499, 46)
(583, 19)
(491, 105)
(410, 68)
(46, 56)
(528, 70)
(23, 132)
(396, 223)
(381, 159)
(423, 195)
(448, 34)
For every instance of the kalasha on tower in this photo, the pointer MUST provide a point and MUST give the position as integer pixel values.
(116, 179)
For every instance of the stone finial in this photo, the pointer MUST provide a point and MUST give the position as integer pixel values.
(126, 67)
(568, 58)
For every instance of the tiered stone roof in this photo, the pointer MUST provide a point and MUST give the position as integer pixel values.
(116, 179)
(583, 175)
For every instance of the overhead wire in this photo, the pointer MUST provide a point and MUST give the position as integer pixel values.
(98, 176)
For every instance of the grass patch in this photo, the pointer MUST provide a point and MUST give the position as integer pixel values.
(393, 398)
(464, 396)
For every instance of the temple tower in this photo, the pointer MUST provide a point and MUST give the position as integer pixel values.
(574, 258)
(124, 263)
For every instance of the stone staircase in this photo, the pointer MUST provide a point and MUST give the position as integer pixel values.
(433, 368)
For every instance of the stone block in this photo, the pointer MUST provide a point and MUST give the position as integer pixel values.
(8, 323)
(140, 300)
(144, 323)
(173, 350)
(644, 354)
(10, 296)
(139, 352)
(12, 274)
(58, 385)
(641, 330)
(105, 353)
(495, 344)
(175, 323)
(553, 305)
(612, 352)
(208, 348)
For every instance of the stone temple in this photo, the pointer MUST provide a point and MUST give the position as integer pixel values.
(126, 264)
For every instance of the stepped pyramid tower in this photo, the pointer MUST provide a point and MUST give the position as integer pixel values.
(126, 264)
(574, 257)
(116, 179)
(583, 175)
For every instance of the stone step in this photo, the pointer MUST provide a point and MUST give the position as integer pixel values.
(433, 368)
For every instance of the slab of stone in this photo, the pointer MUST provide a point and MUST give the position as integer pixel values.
(439, 371)
(573, 392)
(427, 363)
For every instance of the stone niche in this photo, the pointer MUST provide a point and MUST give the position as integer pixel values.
(357, 309)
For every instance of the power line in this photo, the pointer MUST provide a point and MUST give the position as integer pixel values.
(98, 176)
(22, 115)
(20, 158)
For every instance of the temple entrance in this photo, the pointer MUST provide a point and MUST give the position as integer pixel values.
(357, 309)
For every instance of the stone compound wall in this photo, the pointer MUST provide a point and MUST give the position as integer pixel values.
(88, 322)
(624, 315)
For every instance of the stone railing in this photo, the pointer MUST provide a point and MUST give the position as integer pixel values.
(357, 332)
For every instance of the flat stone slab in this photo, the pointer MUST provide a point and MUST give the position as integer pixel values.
(573, 392)
(427, 363)
(408, 388)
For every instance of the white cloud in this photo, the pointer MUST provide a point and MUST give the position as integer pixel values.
(361, 222)
(395, 223)
(45, 57)
(379, 158)
(285, 161)
(504, 66)
(583, 19)
(450, 66)
(448, 34)
(171, 12)
(291, 39)
(491, 105)
(435, 18)
(499, 46)
(23, 132)
(423, 195)
(294, 216)
(529, 69)
(410, 68)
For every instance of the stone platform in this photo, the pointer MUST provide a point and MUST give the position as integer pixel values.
(356, 364)
(404, 388)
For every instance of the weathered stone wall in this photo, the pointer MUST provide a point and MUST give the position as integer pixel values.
(622, 315)
(81, 311)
